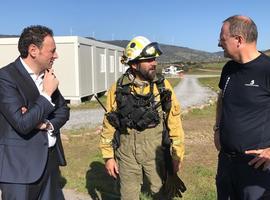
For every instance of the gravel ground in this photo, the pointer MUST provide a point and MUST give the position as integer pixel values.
(84, 118)
(191, 94)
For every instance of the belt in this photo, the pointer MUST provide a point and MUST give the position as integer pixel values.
(237, 155)
(51, 149)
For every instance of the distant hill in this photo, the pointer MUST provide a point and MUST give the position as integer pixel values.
(184, 54)
(267, 52)
(173, 54)
(8, 36)
(177, 54)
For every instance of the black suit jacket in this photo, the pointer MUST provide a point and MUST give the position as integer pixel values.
(23, 148)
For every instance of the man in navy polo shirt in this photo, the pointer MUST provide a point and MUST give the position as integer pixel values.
(242, 129)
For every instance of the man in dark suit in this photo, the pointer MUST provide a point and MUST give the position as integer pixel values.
(32, 110)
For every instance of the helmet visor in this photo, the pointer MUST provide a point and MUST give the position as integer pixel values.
(152, 50)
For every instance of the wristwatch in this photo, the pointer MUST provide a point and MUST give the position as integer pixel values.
(48, 126)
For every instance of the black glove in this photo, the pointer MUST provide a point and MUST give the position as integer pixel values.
(174, 186)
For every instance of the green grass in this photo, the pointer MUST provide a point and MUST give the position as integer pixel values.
(89, 104)
(201, 187)
(200, 113)
(174, 81)
(199, 167)
(211, 82)
(207, 68)
(217, 65)
(201, 71)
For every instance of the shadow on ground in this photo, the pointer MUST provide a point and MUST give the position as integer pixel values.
(99, 184)
(63, 181)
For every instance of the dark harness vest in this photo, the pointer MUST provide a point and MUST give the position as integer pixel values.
(136, 111)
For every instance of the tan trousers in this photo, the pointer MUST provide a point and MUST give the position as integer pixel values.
(138, 154)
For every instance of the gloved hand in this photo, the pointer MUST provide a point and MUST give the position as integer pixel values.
(174, 186)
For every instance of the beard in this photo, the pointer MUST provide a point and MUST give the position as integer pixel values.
(149, 74)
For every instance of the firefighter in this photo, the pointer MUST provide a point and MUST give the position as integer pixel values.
(138, 106)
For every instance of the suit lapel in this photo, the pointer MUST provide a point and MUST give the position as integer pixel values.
(25, 82)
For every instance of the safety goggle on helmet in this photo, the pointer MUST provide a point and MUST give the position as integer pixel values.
(140, 48)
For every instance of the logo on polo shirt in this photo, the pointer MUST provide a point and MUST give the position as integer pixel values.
(251, 84)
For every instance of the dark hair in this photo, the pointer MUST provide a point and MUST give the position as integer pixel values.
(244, 26)
(32, 35)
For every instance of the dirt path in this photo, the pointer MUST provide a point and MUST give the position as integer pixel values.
(190, 93)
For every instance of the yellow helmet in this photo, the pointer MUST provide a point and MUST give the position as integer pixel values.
(140, 48)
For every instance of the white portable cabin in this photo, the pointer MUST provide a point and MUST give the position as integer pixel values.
(84, 67)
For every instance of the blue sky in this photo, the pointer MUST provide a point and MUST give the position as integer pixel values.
(188, 23)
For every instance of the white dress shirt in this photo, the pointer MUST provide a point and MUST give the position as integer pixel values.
(38, 80)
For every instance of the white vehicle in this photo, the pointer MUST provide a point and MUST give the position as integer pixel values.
(173, 70)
